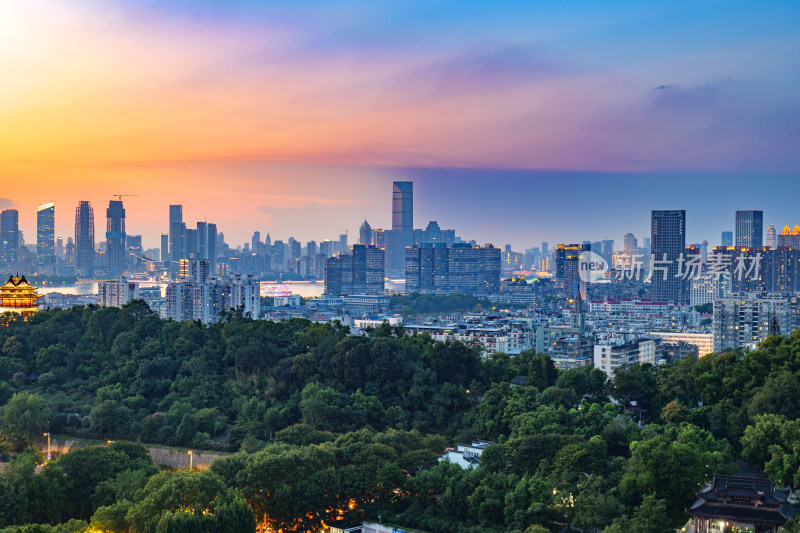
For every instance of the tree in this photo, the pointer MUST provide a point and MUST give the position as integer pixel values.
(24, 418)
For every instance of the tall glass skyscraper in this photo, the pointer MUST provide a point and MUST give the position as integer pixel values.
(668, 242)
(750, 228)
(115, 238)
(402, 223)
(9, 236)
(84, 238)
(46, 233)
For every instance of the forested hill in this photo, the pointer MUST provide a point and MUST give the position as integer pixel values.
(332, 425)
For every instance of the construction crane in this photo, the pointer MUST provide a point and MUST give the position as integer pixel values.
(119, 196)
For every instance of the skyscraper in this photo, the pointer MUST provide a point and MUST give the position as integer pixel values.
(46, 233)
(84, 238)
(164, 247)
(727, 238)
(567, 258)
(668, 242)
(211, 253)
(402, 223)
(9, 236)
(365, 233)
(115, 238)
(750, 228)
(630, 244)
(772, 236)
(176, 236)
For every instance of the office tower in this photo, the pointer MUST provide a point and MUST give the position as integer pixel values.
(668, 241)
(772, 237)
(164, 246)
(211, 242)
(457, 268)
(115, 238)
(60, 247)
(9, 236)
(402, 224)
(84, 238)
(176, 236)
(545, 248)
(433, 233)
(630, 244)
(359, 272)
(567, 267)
(379, 238)
(278, 255)
(608, 251)
(46, 233)
(342, 243)
(192, 241)
(311, 248)
(202, 240)
(255, 242)
(727, 238)
(294, 249)
(365, 233)
(750, 228)
(326, 248)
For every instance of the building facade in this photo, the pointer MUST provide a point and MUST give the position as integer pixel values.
(744, 319)
(668, 243)
(9, 236)
(750, 228)
(116, 293)
(460, 268)
(84, 238)
(115, 239)
(46, 235)
(359, 272)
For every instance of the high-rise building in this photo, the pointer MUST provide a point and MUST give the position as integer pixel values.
(84, 238)
(360, 272)
(668, 242)
(46, 233)
(750, 228)
(402, 224)
(567, 276)
(115, 238)
(165, 246)
(9, 236)
(742, 320)
(630, 244)
(727, 238)
(177, 236)
(789, 238)
(608, 251)
(457, 268)
(211, 243)
(772, 237)
(255, 242)
(116, 293)
(365, 233)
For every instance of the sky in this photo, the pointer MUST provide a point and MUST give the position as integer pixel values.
(517, 121)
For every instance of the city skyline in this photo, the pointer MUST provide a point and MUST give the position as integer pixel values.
(525, 208)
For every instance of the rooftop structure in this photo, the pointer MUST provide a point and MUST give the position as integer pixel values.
(740, 504)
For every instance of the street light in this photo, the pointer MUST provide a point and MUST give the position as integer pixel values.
(48, 445)
(191, 457)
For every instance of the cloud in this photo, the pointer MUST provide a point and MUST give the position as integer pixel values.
(5, 203)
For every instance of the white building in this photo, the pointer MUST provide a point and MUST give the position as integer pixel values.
(466, 455)
(626, 349)
(703, 341)
(116, 293)
(290, 300)
(704, 289)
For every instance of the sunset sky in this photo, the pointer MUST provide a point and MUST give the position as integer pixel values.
(518, 121)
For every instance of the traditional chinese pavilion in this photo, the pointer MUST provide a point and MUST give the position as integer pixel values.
(732, 504)
(18, 296)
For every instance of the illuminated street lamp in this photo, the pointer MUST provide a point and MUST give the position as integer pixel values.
(48, 445)
(191, 457)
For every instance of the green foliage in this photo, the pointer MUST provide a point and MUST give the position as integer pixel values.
(24, 418)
